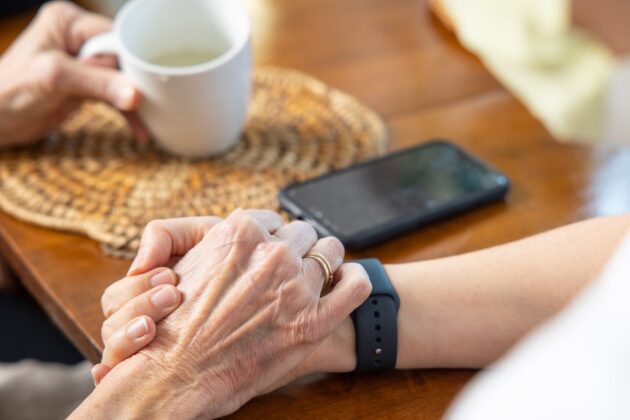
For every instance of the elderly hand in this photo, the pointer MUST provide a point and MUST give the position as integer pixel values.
(133, 306)
(251, 314)
(41, 81)
(131, 312)
(136, 303)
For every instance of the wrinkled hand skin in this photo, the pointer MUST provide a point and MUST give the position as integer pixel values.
(248, 318)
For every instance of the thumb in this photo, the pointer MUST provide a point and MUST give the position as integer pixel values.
(82, 80)
(163, 239)
(352, 289)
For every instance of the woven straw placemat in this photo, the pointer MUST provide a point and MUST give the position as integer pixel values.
(92, 177)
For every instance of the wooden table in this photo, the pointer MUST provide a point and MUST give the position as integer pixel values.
(395, 57)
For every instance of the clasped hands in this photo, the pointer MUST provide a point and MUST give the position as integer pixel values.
(239, 314)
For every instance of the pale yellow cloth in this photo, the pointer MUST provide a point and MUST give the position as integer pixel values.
(559, 72)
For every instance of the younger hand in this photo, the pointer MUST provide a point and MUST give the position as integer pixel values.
(133, 306)
(41, 81)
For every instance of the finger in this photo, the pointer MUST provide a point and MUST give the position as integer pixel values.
(140, 132)
(353, 287)
(156, 304)
(72, 24)
(242, 227)
(77, 79)
(128, 340)
(269, 219)
(333, 251)
(108, 61)
(299, 235)
(164, 239)
(85, 26)
(122, 291)
(99, 371)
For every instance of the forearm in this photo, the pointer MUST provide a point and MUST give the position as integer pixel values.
(466, 311)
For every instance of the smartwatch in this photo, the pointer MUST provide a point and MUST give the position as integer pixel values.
(375, 322)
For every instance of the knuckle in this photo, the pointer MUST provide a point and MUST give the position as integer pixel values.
(335, 246)
(264, 248)
(224, 231)
(239, 217)
(305, 228)
(270, 214)
(154, 225)
(242, 219)
(305, 331)
(105, 304)
(230, 225)
(141, 305)
(282, 250)
(283, 257)
(301, 224)
(107, 300)
(106, 330)
(245, 221)
(54, 9)
(363, 289)
(273, 262)
(292, 295)
(115, 351)
(288, 293)
(51, 67)
(362, 284)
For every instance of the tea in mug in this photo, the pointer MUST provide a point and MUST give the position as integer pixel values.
(185, 58)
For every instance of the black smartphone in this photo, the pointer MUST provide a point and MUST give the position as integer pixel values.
(383, 198)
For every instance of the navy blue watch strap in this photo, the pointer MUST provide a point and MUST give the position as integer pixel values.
(375, 322)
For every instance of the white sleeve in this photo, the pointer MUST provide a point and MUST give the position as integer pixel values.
(576, 367)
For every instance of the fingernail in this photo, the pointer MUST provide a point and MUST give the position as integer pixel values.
(92, 372)
(138, 328)
(137, 262)
(124, 95)
(164, 298)
(164, 277)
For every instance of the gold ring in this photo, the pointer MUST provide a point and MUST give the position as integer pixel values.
(325, 265)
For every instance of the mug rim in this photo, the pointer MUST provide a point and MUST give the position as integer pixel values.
(224, 58)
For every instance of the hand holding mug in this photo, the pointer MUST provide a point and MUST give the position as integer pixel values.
(191, 59)
(41, 81)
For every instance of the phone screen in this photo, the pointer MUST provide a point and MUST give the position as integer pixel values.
(393, 189)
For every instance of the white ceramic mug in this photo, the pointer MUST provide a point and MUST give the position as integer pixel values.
(195, 111)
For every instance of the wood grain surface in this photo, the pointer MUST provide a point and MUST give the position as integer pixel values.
(397, 58)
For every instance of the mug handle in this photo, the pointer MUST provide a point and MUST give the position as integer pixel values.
(105, 43)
